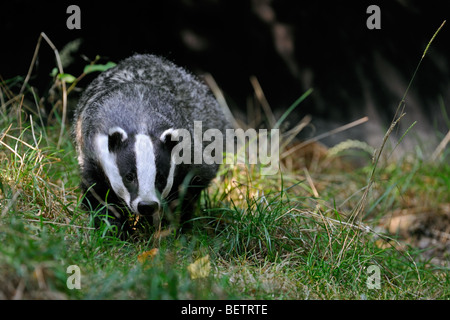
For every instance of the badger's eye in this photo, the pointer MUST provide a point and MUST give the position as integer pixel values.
(130, 177)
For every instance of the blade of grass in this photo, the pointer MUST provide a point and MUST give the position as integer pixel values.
(357, 213)
(292, 107)
(441, 147)
(262, 99)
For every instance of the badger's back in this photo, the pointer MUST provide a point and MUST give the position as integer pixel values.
(143, 93)
(171, 93)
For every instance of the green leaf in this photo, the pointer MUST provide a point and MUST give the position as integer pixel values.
(98, 67)
(54, 72)
(68, 78)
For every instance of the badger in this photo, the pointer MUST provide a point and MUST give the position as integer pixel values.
(125, 128)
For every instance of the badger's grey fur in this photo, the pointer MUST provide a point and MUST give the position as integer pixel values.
(123, 129)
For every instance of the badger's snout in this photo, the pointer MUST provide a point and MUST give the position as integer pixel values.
(147, 208)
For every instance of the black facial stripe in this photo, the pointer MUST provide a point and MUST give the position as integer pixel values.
(162, 160)
(126, 163)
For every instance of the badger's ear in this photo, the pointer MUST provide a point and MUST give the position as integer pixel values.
(116, 136)
(170, 137)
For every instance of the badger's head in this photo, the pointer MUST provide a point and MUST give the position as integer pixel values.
(139, 168)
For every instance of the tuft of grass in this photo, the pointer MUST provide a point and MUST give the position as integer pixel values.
(316, 251)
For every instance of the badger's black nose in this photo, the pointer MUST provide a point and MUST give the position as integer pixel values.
(147, 208)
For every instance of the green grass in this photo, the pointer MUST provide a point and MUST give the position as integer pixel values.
(310, 232)
(266, 237)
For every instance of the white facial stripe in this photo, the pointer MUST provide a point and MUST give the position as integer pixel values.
(146, 170)
(169, 182)
(108, 162)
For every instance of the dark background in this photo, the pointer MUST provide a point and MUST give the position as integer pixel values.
(290, 46)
